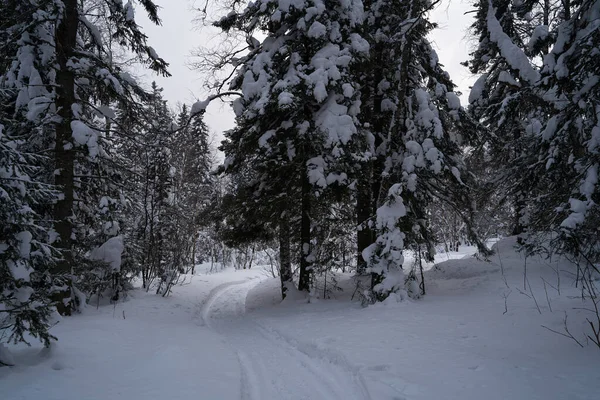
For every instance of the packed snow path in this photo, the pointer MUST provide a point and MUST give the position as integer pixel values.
(273, 366)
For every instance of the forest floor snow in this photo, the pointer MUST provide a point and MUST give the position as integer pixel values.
(477, 334)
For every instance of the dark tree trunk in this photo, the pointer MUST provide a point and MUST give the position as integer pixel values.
(251, 258)
(66, 36)
(519, 205)
(378, 164)
(364, 211)
(305, 250)
(195, 239)
(285, 261)
(364, 193)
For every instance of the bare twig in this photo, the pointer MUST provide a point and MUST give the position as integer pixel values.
(549, 284)
(501, 266)
(583, 309)
(533, 297)
(525, 274)
(547, 298)
(596, 330)
(566, 334)
(523, 293)
(557, 271)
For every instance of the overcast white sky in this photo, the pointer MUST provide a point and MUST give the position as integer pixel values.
(179, 35)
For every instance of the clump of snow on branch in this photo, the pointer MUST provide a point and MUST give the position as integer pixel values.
(515, 57)
(110, 252)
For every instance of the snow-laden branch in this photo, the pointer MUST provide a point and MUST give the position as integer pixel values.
(200, 106)
(513, 55)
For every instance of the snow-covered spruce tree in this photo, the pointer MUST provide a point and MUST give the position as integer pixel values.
(512, 37)
(58, 76)
(296, 113)
(157, 225)
(570, 137)
(414, 124)
(539, 97)
(252, 211)
(26, 254)
(570, 144)
(194, 183)
(176, 160)
(98, 217)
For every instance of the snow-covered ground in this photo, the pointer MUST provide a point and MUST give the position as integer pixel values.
(224, 336)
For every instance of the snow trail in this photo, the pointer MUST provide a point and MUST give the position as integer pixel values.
(210, 305)
(273, 366)
(463, 341)
(326, 355)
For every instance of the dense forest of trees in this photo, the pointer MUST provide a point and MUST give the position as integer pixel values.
(350, 148)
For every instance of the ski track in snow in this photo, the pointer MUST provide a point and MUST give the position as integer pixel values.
(273, 366)
(326, 355)
(208, 303)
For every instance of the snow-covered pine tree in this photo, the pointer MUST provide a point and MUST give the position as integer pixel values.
(257, 211)
(414, 125)
(26, 253)
(512, 37)
(57, 77)
(570, 137)
(193, 181)
(157, 227)
(243, 224)
(539, 96)
(296, 114)
(127, 144)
